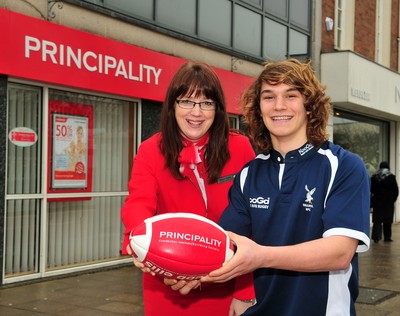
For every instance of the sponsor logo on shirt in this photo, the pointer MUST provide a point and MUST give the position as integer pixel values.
(308, 202)
(259, 202)
(306, 148)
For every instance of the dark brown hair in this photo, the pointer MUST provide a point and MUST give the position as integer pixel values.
(300, 76)
(197, 79)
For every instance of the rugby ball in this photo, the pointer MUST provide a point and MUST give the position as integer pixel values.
(182, 246)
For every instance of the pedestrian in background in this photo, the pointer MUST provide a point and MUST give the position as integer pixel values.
(384, 192)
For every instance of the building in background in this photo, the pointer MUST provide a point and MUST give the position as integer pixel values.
(95, 73)
(359, 63)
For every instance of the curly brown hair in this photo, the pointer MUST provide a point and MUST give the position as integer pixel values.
(300, 76)
(200, 79)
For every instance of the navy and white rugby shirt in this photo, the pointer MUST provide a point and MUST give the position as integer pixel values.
(309, 194)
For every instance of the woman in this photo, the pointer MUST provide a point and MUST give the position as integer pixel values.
(188, 167)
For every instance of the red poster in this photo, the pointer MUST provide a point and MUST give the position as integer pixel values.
(70, 147)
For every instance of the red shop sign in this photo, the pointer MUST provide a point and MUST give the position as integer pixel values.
(40, 50)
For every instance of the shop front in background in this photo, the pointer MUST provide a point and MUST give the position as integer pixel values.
(78, 106)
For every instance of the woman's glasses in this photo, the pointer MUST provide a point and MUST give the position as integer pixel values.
(188, 105)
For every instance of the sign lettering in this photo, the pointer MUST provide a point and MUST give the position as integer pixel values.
(68, 56)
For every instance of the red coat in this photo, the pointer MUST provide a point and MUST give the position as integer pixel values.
(153, 190)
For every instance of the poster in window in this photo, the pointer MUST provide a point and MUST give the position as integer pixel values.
(70, 147)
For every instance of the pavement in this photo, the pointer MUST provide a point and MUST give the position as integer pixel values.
(117, 291)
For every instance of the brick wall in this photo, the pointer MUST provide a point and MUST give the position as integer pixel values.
(394, 47)
(327, 38)
(364, 29)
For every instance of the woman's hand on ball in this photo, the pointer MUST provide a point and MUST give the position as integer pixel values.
(184, 287)
(137, 263)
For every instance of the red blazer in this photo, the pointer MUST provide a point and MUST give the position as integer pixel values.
(153, 190)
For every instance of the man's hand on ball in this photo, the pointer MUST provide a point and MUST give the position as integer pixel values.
(244, 261)
(184, 287)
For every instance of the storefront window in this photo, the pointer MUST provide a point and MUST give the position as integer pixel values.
(24, 180)
(64, 203)
(22, 237)
(88, 229)
(364, 136)
(110, 137)
(151, 116)
(24, 146)
(233, 121)
(84, 231)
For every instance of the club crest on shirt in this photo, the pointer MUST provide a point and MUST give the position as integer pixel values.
(308, 202)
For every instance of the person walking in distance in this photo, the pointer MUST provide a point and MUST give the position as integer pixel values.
(384, 193)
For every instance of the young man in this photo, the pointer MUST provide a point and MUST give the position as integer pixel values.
(303, 202)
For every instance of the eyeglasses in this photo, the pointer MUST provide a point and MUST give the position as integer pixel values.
(188, 105)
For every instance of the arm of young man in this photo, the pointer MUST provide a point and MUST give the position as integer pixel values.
(324, 254)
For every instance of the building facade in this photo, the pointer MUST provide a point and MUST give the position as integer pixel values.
(359, 63)
(82, 83)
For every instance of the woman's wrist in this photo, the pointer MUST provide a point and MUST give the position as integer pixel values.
(252, 301)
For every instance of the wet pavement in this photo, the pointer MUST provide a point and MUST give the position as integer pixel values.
(380, 278)
(118, 291)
